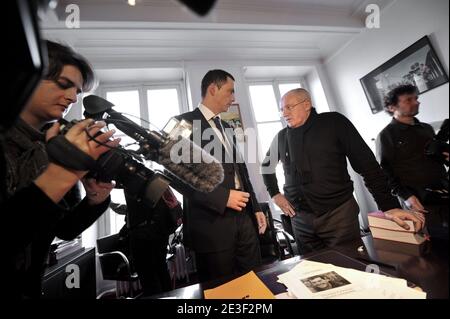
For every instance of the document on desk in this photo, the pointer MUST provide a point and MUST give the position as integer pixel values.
(313, 280)
(248, 286)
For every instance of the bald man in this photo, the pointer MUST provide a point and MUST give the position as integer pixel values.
(318, 191)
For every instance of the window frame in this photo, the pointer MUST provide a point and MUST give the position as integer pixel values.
(181, 96)
(275, 86)
(142, 90)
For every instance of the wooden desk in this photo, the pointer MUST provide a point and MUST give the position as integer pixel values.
(426, 266)
(428, 271)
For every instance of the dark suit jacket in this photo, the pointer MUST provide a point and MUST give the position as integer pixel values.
(209, 226)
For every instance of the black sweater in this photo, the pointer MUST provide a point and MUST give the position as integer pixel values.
(314, 158)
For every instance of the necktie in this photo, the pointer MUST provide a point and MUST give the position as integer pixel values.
(229, 147)
(216, 120)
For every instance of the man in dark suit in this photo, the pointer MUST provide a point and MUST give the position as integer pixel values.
(220, 226)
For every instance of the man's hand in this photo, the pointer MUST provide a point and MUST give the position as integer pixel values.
(287, 208)
(414, 204)
(399, 216)
(237, 200)
(262, 222)
(96, 192)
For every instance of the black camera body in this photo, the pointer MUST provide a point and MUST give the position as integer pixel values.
(121, 166)
(435, 148)
(128, 173)
(439, 144)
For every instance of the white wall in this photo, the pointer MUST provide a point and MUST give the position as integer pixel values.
(402, 24)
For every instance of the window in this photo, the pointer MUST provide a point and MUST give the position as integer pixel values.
(286, 87)
(143, 104)
(264, 103)
(163, 103)
(126, 102)
(265, 100)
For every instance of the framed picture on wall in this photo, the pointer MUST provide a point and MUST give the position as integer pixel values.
(234, 119)
(417, 65)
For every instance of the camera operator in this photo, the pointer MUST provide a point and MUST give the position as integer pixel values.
(419, 180)
(29, 164)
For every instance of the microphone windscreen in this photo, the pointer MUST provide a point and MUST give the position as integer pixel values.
(191, 164)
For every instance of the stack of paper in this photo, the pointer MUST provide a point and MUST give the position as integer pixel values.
(313, 280)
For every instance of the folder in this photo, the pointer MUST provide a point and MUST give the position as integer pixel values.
(248, 286)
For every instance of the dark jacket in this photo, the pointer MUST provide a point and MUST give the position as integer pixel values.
(401, 152)
(209, 225)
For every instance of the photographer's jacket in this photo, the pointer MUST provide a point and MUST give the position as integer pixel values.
(401, 152)
(33, 229)
(314, 158)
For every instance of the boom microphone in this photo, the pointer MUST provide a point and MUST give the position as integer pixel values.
(183, 159)
(204, 175)
(95, 107)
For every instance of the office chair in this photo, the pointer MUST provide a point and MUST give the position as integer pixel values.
(116, 266)
(275, 243)
(286, 236)
(180, 260)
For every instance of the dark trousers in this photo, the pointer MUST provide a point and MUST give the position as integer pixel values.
(315, 231)
(148, 254)
(243, 257)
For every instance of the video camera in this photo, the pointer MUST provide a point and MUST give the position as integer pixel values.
(126, 166)
(27, 58)
(436, 147)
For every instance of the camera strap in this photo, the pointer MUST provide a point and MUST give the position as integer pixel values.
(60, 151)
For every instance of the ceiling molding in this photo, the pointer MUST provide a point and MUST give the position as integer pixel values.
(308, 6)
(321, 28)
(299, 12)
(136, 26)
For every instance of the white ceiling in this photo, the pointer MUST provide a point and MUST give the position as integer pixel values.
(161, 32)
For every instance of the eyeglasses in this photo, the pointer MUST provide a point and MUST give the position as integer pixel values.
(290, 108)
